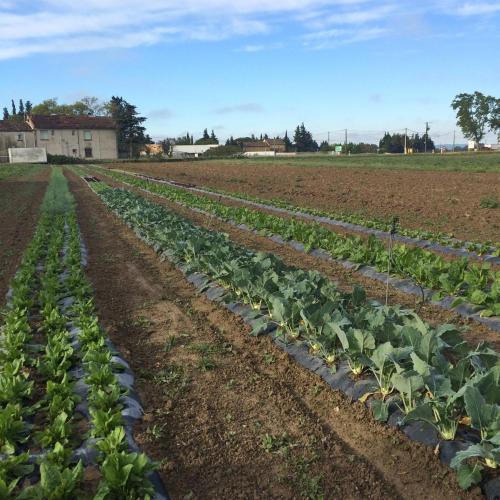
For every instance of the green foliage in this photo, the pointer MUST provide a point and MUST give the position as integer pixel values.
(430, 372)
(86, 106)
(303, 140)
(476, 283)
(124, 477)
(56, 483)
(63, 160)
(475, 114)
(131, 132)
(490, 202)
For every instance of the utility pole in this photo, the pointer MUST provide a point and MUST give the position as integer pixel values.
(345, 141)
(328, 138)
(406, 133)
(454, 140)
(426, 134)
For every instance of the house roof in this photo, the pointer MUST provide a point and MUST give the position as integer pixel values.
(255, 144)
(275, 142)
(14, 126)
(72, 122)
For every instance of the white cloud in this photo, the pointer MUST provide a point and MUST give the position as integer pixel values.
(62, 26)
(478, 8)
(246, 107)
(334, 37)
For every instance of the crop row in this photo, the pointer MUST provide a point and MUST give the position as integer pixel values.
(430, 373)
(11, 170)
(385, 225)
(60, 398)
(468, 281)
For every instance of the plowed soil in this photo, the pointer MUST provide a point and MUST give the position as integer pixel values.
(20, 199)
(229, 415)
(431, 200)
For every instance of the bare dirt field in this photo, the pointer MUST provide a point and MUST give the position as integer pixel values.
(445, 201)
(229, 415)
(20, 199)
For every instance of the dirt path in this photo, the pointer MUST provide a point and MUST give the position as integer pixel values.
(346, 278)
(229, 415)
(20, 199)
(436, 201)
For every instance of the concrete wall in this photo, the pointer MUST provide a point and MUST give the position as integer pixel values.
(73, 143)
(10, 140)
(259, 153)
(27, 155)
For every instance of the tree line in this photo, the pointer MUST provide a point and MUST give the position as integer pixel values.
(17, 113)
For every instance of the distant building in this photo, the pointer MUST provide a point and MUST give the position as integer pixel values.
(152, 149)
(191, 150)
(276, 145)
(90, 137)
(265, 146)
(14, 134)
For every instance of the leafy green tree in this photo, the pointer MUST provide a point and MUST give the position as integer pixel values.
(184, 140)
(21, 108)
(473, 114)
(87, 106)
(6, 115)
(14, 112)
(494, 120)
(303, 140)
(28, 107)
(46, 107)
(207, 139)
(392, 143)
(324, 146)
(131, 133)
(288, 142)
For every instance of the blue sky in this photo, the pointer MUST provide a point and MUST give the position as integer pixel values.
(257, 65)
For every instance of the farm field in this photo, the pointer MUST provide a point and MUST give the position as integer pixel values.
(228, 410)
(20, 196)
(174, 199)
(431, 198)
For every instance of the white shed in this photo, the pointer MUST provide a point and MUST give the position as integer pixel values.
(191, 150)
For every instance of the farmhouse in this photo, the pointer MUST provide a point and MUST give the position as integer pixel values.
(264, 146)
(77, 136)
(14, 134)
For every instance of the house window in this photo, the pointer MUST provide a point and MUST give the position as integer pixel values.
(87, 135)
(88, 152)
(72, 132)
(19, 137)
(44, 135)
(74, 151)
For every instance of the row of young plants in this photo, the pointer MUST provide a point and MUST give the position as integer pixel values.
(431, 373)
(16, 170)
(59, 390)
(446, 239)
(478, 284)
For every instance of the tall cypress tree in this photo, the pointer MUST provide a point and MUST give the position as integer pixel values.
(6, 115)
(14, 112)
(21, 108)
(131, 135)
